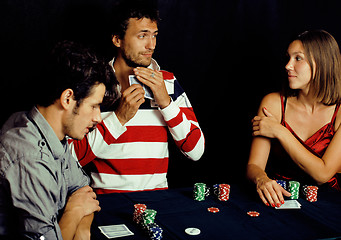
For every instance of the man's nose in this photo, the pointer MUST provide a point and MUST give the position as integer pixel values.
(97, 117)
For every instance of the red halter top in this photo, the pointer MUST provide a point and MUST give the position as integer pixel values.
(283, 167)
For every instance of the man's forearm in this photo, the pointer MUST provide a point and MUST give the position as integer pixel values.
(83, 229)
(69, 223)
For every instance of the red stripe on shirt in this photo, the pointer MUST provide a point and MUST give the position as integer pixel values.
(132, 166)
(175, 121)
(167, 75)
(136, 134)
(106, 191)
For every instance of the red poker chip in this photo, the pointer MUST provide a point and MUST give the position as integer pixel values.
(213, 209)
(253, 213)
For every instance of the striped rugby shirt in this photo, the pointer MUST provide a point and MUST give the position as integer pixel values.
(134, 157)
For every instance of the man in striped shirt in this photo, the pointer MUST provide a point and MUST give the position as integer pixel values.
(128, 151)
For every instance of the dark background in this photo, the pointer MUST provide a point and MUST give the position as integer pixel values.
(227, 54)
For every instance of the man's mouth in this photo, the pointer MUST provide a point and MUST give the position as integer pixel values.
(148, 54)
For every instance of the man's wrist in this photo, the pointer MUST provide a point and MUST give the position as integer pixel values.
(165, 104)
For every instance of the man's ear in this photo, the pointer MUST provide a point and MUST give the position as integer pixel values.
(116, 40)
(67, 98)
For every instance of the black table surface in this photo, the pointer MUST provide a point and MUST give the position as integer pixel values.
(176, 211)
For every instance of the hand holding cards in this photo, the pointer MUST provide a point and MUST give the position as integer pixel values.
(148, 92)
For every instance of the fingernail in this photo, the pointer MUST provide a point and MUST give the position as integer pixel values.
(273, 205)
(278, 204)
(267, 204)
(282, 201)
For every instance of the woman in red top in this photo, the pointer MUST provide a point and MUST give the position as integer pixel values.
(301, 127)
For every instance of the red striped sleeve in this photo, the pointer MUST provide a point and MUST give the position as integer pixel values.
(175, 121)
(188, 144)
(83, 151)
(188, 111)
(179, 118)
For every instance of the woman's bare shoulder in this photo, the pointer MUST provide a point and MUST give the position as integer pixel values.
(272, 102)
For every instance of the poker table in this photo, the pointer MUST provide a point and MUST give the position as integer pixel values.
(177, 211)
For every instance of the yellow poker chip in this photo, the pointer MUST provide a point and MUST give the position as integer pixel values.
(253, 213)
(213, 209)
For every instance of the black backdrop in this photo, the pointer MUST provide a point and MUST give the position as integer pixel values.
(227, 54)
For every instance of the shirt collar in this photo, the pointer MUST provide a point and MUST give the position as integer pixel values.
(56, 147)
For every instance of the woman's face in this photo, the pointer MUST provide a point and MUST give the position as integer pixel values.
(298, 68)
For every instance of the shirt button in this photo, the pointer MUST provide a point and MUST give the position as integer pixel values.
(42, 143)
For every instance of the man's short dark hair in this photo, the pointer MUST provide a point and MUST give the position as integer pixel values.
(71, 65)
(126, 9)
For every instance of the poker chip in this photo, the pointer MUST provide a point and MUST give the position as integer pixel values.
(138, 211)
(145, 218)
(200, 191)
(253, 213)
(154, 231)
(213, 209)
(294, 188)
(192, 231)
(310, 193)
(222, 191)
(148, 216)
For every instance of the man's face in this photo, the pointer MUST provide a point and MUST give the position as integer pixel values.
(137, 46)
(80, 120)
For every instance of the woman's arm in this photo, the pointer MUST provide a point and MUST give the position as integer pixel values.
(269, 191)
(320, 169)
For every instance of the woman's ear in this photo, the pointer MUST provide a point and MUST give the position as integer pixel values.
(67, 98)
(116, 40)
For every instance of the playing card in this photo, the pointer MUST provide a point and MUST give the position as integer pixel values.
(115, 231)
(148, 92)
(290, 204)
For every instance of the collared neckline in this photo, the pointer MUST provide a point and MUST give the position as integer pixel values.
(153, 65)
(56, 146)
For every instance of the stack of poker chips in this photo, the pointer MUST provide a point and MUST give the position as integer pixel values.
(222, 191)
(310, 193)
(148, 216)
(200, 191)
(154, 231)
(294, 188)
(145, 218)
(138, 211)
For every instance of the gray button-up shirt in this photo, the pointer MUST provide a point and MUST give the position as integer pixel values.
(37, 174)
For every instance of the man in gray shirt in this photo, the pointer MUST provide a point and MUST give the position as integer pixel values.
(44, 193)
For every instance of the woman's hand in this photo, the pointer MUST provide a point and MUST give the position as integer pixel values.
(266, 126)
(271, 192)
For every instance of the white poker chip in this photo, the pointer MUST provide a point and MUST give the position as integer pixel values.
(192, 231)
